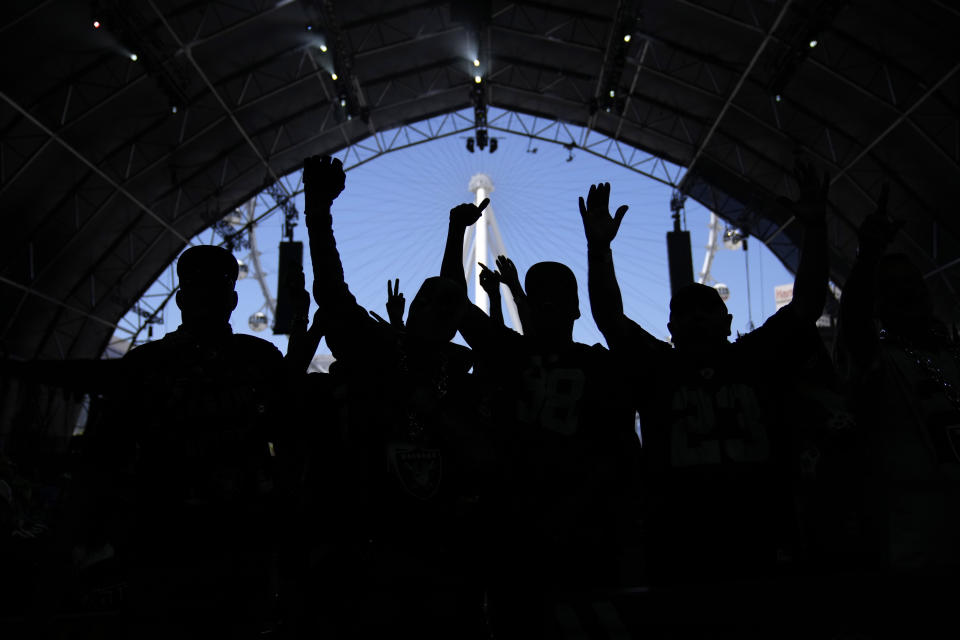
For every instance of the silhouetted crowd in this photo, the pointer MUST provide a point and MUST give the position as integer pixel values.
(527, 486)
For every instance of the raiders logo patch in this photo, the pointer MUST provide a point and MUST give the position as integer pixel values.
(418, 469)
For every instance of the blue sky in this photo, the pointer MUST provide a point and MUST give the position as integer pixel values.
(391, 222)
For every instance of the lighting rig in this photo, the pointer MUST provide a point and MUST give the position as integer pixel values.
(803, 38)
(333, 47)
(133, 32)
(610, 96)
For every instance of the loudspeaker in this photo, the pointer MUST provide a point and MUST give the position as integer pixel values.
(679, 259)
(289, 265)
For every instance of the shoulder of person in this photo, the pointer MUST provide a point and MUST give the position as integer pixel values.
(258, 347)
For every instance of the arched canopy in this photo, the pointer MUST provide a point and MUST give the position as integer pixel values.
(108, 165)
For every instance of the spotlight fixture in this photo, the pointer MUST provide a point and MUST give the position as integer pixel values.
(813, 43)
(777, 97)
(333, 76)
(493, 145)
(613, 93)
(343, 102)
(482, 139)
(173, 109)
(309, 27)
(477, 79)
(323, 48)
(470, 144)
(476, 62)
(627, 37)
(96, 24)
(133, 57)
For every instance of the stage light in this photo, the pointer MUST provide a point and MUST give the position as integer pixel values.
(309, 27)
(493, 145)
(133, 57)
(343, 102)
(333, 76)
(612, 93)
(173, 109)
(323, 48)
(476, 62)
(96, 24)
(813, 43)
(777, 98)
(477, 79)
(470, 145)
(627, 37)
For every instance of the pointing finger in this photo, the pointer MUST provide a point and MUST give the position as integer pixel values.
(483, 204)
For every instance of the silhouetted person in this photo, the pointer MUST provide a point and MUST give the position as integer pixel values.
(411, 446)
(716, 489)
(184, 461)
(903, 370)
(566, 432)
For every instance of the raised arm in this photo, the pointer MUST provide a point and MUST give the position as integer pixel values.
(510, 277)
(303, 342)
(346, 321)
(490, 281)
(605, 298)
(461, 217)
(810, 285)
(857, 332)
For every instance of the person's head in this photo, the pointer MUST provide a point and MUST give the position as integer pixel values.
(902, 296)
(551, 290)
(436, 310)
(698, 317)
(207, 276)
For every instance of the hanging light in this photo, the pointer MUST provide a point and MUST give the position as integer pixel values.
(333, 76)
(477, 79)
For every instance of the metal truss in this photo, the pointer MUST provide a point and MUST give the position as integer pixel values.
(136, 325)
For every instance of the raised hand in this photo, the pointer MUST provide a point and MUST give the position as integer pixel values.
(395, 303)
(878, 229)
(323, 179)
(509, 275)
(598, 225)
(490, 281)
(464, 215)
(303, 342)
(811, 207)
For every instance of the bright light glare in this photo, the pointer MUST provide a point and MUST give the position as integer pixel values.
(96, 24)
(476, 62)
(477, 79)
(343, 102)
(133, 57)
(323, 48)
(334, 76)
(612, 93)
(813, 43)
(627, 37)
(777, 98)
